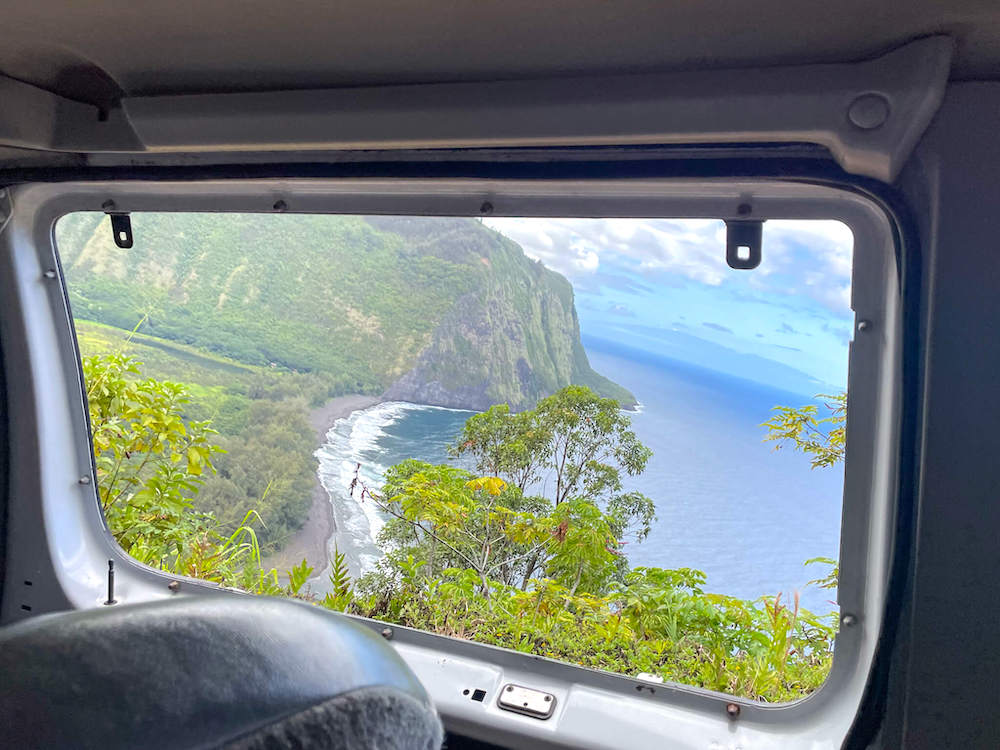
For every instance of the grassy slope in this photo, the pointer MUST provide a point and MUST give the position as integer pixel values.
(214, 381)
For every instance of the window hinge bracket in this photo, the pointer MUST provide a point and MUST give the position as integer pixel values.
(121, 229)
(743, 243)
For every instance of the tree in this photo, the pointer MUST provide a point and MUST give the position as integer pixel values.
(150, 463)
(505, 444)
(575, 440)
(584, 556)
(445, 517)
(497, 523)
(801, 428)
(268, 468)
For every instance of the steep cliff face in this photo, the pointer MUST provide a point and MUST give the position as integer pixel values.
(515, 338)
(431, 310)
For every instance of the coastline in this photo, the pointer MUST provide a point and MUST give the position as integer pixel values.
(310, 541)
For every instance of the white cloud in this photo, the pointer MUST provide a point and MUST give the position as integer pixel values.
(586, 260)
(811, 258)
(577, 245)
(817, 258)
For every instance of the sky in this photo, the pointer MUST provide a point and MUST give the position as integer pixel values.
(663, 285)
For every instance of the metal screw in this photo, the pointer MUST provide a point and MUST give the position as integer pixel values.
(387, 633)
(847, 620)
(486, 208)
(174, 586)
(548, 698)
(83, 480)
(108, 205)
(732, 710)
(510, 688)
(111, 583)
(744, 209)
(49, 274)
(864, 325)
(280, 206)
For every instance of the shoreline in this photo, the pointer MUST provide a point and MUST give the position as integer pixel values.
(310, 542)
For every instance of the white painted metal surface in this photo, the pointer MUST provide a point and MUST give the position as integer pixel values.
(61, 543)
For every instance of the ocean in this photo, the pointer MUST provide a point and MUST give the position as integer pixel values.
(727, 503)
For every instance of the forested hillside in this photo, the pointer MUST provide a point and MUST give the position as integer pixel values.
(260, 416)
(263, 317)
(439, 311)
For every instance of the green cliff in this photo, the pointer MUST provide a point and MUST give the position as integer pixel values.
(437, 311)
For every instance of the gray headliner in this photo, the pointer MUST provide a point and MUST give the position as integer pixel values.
(99, 50)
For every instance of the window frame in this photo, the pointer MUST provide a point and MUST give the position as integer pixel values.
(38, 333)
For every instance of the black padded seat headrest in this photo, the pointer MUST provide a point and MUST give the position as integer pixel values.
(208, 671)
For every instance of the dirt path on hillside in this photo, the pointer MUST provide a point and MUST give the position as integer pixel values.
(310, 542)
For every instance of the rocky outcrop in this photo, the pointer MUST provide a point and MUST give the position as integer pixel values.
(514, 339)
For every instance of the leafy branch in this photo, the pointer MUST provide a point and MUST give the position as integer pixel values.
(822, 438)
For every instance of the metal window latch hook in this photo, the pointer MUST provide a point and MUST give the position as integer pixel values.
(121, 225)
(743, 243)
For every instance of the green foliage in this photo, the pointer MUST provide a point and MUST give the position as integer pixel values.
(151, 465)
(268, 467)
(460, 543)
(589, 439)
(298, 576)
(505, 444)
(444, 517)
(341, 593)
(150, 462)
(261, 418)
(581, 441)
(474, 557)
(822, 438)
(583, 554)
(832, 577)
(658, 621)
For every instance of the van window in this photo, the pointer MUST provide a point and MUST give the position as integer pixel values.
(585, 439)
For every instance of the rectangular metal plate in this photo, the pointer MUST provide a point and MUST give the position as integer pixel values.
(527, 701)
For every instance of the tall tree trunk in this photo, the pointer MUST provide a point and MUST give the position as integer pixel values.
(532, 563)
(484, 581)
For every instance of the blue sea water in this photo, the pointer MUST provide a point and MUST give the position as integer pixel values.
(727, 503)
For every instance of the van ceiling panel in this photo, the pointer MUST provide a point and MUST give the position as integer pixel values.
(98, 50)
(868, 115)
